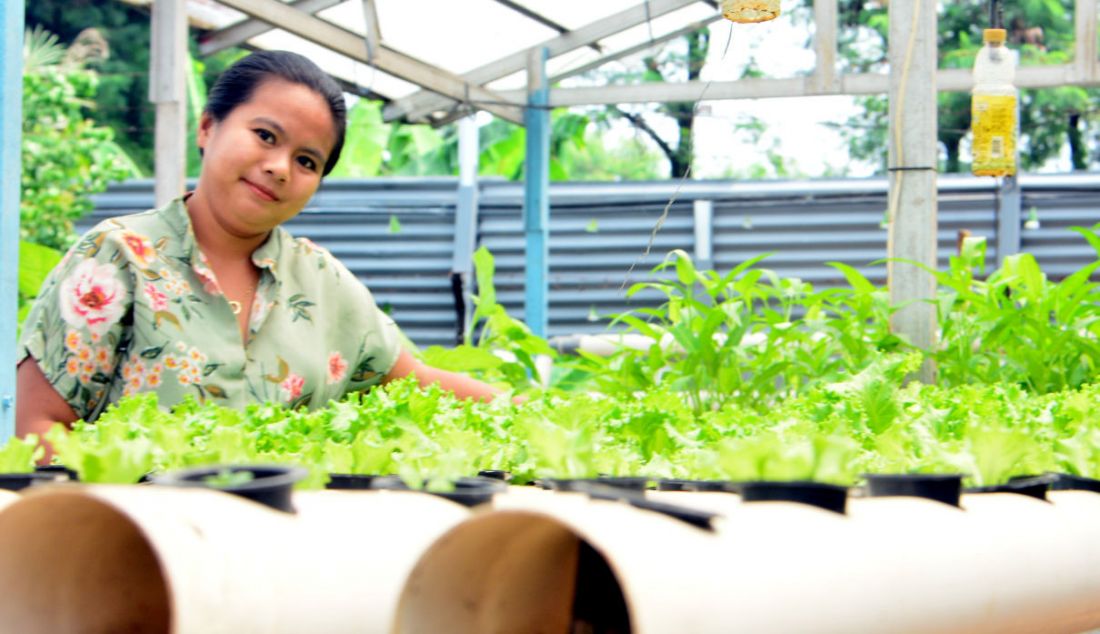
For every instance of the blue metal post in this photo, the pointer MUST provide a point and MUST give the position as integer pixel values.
(11, 128)
(465, 219)
(536, 200)
(1009, 218)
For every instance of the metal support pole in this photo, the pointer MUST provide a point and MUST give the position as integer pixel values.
(823, 80)
(913, 162)
(465, 219)
(167, 83)
(1009, 217)
(536, 201)
(1085, 64)
(11, 133)
(704, 240)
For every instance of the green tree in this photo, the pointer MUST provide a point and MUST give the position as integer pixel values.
(66, 157)
(122, 95)
(375, 148)
(681, 60)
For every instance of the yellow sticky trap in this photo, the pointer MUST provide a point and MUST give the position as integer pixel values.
(993, 119)
(750, 11)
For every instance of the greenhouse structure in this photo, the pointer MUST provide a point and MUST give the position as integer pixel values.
(662, 406)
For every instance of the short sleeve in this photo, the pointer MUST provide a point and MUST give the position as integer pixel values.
(75, 327)
(380, 340)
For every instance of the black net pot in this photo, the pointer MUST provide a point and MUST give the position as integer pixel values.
(626, 483)
(349, 481)
(1031, 486)
(474, 491)
(60, 470)
(496, 474)
(1070, 482)
(20, 481)
(944, 487)
(270, 485)
(692, 485)
(467, 491)
(824, 496)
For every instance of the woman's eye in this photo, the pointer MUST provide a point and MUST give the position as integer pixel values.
(265, 135)
(307, 163)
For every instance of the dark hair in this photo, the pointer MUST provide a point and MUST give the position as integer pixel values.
(236, 85)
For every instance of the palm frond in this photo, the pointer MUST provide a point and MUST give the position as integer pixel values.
(41, 49)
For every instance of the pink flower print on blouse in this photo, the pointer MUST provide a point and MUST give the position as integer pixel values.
(292, 387)
(158, 301)
(206, 275)
(91, 297)
(260, 308)
(337, 368)
(139, 247)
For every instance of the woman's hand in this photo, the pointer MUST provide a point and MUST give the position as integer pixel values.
(460, 385)
(38, 405)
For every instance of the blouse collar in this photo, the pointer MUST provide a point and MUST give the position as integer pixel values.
(265, 256)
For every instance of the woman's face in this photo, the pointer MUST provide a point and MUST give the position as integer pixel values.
(263, 162)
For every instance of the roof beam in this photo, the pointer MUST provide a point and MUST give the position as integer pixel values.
(386, 59)
(374, 33)
(415, 106)
(541, 19)
(240, 32)
(947, 80)
(626, 52)
(1084, 14)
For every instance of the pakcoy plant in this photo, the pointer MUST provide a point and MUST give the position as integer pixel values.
(497, 348)
(1016, 325)
(748, 336)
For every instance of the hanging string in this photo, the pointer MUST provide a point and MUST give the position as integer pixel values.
(679, 185)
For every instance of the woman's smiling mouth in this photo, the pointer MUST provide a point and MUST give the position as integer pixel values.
(261, 191)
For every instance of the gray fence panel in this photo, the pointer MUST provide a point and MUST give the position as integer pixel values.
(599, 233)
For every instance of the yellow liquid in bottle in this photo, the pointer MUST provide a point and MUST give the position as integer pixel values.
(993, 119)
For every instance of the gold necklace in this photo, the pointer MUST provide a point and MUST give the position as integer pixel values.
(234, 305)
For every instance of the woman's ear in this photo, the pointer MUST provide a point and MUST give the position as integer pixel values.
(206, 127)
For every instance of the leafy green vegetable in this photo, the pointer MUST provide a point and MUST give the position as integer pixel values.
(19, 455)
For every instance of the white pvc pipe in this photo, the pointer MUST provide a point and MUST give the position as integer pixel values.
(154, 559)
(513, 569)
(1002, 564)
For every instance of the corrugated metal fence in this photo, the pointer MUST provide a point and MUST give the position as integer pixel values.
(600, 234)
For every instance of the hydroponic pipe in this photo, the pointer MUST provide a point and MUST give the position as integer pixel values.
(515, 569)
(1002, 563)
(152, 559)
(7, 497)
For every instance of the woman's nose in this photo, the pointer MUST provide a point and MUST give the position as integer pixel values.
(278, 166)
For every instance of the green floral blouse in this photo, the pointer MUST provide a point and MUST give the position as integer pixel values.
(134, 307)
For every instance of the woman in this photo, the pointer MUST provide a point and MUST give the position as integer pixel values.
(209, 295)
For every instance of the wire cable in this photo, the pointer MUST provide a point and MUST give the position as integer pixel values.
(899, 153)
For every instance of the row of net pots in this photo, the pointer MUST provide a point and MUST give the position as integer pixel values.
(603, 555)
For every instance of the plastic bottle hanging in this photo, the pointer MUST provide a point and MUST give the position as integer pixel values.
(750, 11)
(993, 107)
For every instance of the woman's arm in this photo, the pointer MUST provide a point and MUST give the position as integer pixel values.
(461, 385)
(38, 405)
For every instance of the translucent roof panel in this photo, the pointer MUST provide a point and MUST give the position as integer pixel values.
(653, 31)
(573, 14)
(455, 38)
